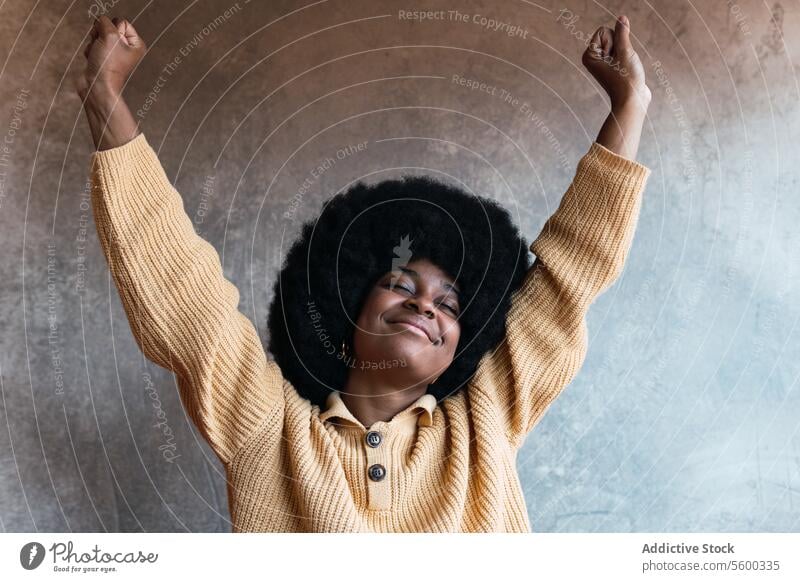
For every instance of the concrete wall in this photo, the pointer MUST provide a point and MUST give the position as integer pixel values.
(684, 417)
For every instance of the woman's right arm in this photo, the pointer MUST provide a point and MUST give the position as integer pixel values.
(182, 311)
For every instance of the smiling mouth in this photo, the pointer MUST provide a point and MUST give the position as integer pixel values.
(414, 328)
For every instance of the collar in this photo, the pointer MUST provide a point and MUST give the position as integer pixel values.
(421, 410)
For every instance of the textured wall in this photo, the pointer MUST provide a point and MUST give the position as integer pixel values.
(684, 417)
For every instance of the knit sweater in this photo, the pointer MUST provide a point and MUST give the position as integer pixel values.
(446, 466)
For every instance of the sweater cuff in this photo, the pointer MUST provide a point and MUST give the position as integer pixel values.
(613, 162)
(121, 154)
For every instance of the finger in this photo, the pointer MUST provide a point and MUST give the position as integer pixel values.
(130, 33)
(119, 23)
(105, 27)
(596, 44)
(607, 40)
(87, 49)
(622, 37)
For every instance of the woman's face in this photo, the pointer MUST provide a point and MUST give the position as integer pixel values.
(418, 293)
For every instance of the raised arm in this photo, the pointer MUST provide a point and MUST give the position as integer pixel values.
(580, 252)
(182, 311)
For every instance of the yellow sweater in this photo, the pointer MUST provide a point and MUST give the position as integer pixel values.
(446, 466)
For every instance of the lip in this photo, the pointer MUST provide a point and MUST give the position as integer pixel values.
(414, 324)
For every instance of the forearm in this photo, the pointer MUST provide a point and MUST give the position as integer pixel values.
(111, 122)
(623, 128)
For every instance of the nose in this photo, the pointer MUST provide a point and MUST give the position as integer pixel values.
(421, 304)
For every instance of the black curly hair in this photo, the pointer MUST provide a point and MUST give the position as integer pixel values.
(337, 259)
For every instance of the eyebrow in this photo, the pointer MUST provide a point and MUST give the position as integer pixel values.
(444, 284)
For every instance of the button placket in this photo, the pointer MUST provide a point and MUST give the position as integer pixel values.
(379, 492)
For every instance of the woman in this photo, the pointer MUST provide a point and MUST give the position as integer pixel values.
(452, 347)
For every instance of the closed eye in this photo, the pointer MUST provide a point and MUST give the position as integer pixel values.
(397, 286)
(452, 309)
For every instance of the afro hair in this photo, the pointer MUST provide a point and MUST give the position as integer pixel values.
(337, 259)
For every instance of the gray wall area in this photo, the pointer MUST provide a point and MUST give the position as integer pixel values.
(684, 416)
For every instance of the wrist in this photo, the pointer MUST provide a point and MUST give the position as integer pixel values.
(631, 106)
(637, 98)
(110, 119)
(102, 96)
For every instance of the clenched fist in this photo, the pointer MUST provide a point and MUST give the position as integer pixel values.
(113, 52)
(611, 60)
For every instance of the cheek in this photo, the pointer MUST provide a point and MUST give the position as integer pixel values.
(453, 346)
(453, 334)
(448, 351)
(370, 317)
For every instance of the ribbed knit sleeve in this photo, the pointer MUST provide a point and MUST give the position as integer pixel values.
(182, 311)
(580, 252)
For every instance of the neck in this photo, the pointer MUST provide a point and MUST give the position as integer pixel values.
(372, 396)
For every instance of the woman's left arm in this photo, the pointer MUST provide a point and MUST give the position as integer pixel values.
(580, 253)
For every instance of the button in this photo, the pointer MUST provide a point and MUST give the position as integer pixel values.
(377, 472)
(374, 438)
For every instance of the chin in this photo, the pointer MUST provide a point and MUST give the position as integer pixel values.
(399, 352)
